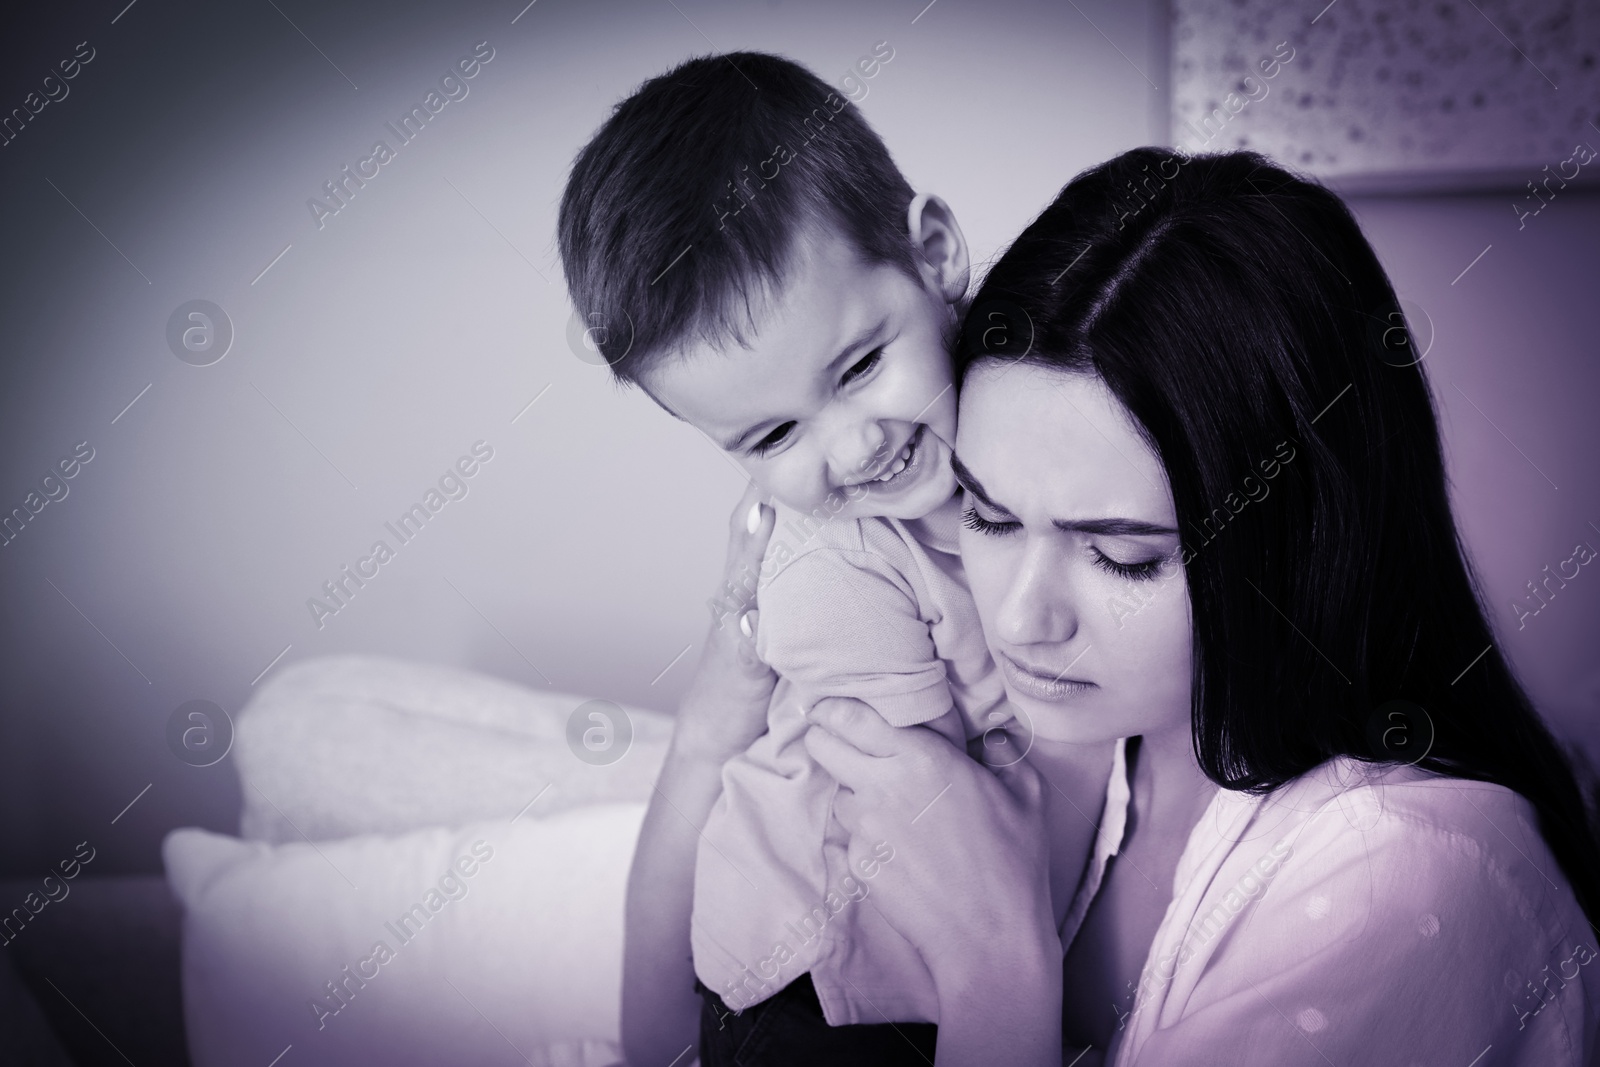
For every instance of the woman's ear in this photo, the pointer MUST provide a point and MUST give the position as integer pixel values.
(934, 233)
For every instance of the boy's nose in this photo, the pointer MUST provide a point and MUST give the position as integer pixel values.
(857, 452)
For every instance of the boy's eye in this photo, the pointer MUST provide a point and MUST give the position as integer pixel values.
(774, 438)
(862, 366)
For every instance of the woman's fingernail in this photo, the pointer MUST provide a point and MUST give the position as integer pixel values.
(752, 521)
(744, 625)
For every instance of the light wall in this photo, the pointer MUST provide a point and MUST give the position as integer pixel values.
(419, 319)
(428, 313)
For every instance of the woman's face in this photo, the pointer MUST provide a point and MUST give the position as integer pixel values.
(1071, 546)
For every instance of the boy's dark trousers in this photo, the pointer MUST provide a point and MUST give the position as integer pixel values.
(788, 1030)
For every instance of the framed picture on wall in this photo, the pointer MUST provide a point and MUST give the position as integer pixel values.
(1375, 96)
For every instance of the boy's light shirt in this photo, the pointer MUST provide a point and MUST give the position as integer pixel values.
(876, 609)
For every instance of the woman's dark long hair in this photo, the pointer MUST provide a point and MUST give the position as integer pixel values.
(1240, 316)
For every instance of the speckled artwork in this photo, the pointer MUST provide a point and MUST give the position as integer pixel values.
(1407, 94)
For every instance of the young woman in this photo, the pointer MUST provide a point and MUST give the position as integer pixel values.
(1208, 514)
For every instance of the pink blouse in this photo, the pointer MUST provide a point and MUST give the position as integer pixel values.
(1361, 914)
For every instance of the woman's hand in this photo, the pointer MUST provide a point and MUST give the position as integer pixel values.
(725, 707)
(966, 839)
(968, 881)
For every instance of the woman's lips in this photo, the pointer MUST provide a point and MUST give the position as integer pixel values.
(1042, 686)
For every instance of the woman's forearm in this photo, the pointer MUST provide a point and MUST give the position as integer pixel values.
(1002, 1004)
(660, 1011)
(723, 711)
(970, 887)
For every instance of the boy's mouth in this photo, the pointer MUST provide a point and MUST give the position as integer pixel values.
(903, 468)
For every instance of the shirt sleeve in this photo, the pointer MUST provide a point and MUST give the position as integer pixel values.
(1390, 948)
(839, 622)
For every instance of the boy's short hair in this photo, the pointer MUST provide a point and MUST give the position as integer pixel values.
(682, 211)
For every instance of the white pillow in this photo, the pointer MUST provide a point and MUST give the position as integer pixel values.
(336, 746)
(518, 961)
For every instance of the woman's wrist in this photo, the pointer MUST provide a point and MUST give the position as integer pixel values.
(1001, 1005)
(703, 737)
(1005, 977)
(724, 708)
(1021, 958)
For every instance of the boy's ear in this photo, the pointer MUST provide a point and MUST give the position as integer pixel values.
(933, 230)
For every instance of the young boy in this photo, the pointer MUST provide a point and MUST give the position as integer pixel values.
(762, 270)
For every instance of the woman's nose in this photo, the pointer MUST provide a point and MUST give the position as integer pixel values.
(1038, 607)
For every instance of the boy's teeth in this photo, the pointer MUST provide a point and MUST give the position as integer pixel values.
(899, 464)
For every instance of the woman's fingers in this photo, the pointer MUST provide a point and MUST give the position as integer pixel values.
(845, 810)
(749, 529)
(847, 764)
(859, 724)
(725, 708)
(753, 494)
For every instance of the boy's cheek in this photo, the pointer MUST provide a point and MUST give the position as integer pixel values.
(793, 477)
(793, 493)
(924, 391)
(941, 419)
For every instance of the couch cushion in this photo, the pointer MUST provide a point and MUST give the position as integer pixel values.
(495, 943)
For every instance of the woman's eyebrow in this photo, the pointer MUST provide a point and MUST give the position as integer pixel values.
(970, 483)
(1115, 527)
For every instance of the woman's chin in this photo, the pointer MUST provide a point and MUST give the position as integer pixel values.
(1073, 733)
(1061, 724)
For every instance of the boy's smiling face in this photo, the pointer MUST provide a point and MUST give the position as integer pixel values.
(845, 390)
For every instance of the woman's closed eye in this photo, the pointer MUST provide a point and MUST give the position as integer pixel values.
(1140, 571)
(973, 521)
(1136, 570)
